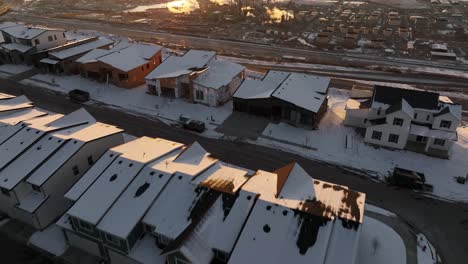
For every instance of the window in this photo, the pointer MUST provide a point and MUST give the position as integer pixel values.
(5, 192)
(90, 160)
(439, 142)
(393, 138)
(37, 42)
(199, 95)
(421, 139)
(50, 38)
(63, 34)
(378, 112)
(76, 171)
(445, 124)
(123, 76)
(427, 117)
(376, 135)
(397, 121)
(147, 66)
(142, 68)
(415, 115)
(55, 37)
(221, 255)
(36, 188)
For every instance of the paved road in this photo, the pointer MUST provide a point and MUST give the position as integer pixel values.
(138, 31)
(444, 223)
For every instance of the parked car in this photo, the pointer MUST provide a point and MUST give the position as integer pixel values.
(408, 178)
(79, 95)
(192, 124)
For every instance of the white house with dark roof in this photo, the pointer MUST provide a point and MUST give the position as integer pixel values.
(296, 98)
(406, 119)
(34, 178)
(124, 179)
(21, 40)
(297, 219)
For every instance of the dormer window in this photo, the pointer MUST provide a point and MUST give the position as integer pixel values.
(397, 121)
(445, 124)
(36, 188)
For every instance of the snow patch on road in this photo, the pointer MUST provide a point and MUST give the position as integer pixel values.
(378, 210)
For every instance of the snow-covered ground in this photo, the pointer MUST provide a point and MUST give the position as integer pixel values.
(380, 244)
(136, 100)
(426, 252)
(14, 68)
(328, 144)
(50, 239)
(378, 210)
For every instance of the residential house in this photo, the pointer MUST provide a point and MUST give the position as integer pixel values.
(44, 159)
(10, 104)
(63, 59)
(218, 82)
(297, 219)
(173, 78)
(112, 197)
(398, 118)
(216, 213)
(20, 41)
(125, 65)
(296, 98)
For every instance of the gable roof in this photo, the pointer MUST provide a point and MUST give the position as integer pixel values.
(220, 73)
(417, 99)
(131, 57)
(303, 90)
(80, 49)
(175, 66)
(15, 103)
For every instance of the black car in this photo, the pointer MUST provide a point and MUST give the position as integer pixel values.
(195, 125)
(79, 95)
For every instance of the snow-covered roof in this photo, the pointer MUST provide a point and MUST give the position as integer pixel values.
(49, 61)
(191, 161)
(425, 131)
(134, 202)
(23, 115)
(277, 234)
(223, 178)
(77, 137)
(15, 103)
(304, 90)
(8, 24)
(175, 66)
(94, 54)
(255, 89)
(24, 32)
(91, 175)
(6, 96)
(80, 49)
(131, 57)
(454, 109)
(101, 195)
(276, 76)
(220, 73)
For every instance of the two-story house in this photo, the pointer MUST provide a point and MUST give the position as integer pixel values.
(34, 181)
(173, 78)
(21, 40)
(416, 120)
(112, 197)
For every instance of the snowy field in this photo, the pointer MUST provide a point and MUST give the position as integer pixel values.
(426, 252)
(329, 144)
(380, 244)
(136, 100)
